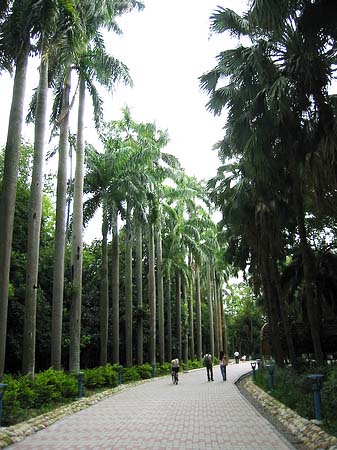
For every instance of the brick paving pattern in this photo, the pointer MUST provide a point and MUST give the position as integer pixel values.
(196, 414)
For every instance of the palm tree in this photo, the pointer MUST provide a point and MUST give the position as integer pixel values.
(51, 20)
(92, 61)
(14, 47)
(274, 87)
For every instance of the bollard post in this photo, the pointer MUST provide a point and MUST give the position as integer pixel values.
(154, 369)
(120, 374)
(2, 392)
(270, 368)
(316, 384)
(253, 364)
(80, 384)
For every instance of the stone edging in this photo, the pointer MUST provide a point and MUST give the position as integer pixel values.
(16, 433)
(312, 436)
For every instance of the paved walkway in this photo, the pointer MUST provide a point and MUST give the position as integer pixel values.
(196, 414)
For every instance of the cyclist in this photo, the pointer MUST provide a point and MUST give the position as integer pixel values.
(175, 369)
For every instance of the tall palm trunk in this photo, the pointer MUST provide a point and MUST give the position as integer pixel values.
(128, 291)
(284, 312)
(77, 240)
(210, 309)
(215, 314)
(160, 293)
(220, 314)
(8, 193)
(34, 223)
(191, 321)
(115, 288)
(60, 229)
(273, 315)
(308, 271)
(185, 327)
(152, 296)
(139, 286)
(104, 294)
(198, 312)
(168, 320)
(178, 316)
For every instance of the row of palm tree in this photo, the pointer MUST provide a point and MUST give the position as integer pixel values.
(128, 181)
(278, 153)
(76, 45)
(135, 181)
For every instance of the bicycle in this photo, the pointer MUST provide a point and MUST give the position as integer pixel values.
(175, 376)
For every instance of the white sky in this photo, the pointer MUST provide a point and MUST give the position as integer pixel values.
(166, 47)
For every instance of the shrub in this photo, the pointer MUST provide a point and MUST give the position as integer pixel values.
(144, 371)
(93, 378)
(52, 386)
(130, 374)
(163, 369)
(195, 364)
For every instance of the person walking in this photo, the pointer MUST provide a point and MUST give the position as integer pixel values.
(236, 356)
(223, 365)
(208, 362)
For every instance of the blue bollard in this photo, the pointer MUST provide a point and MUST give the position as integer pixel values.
(154, 369)
(316, 384)
(120, 374)
(80, 384)
(270, 368)
(253, 364)
(2, 392)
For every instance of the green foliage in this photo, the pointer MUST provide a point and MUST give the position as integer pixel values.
(195, 364)
(52, 386)
(294, 390)
(145, 371)
(130, 374)
(163, 369)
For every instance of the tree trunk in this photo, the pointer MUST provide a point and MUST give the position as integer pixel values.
(198, 312)
(191, 322)
(34, 223)
(215, 315)
(77, 241)
(60, 230)
(185, 324)
(8, 193)
(115, 289)
(160, 293)
(272, 313)
(139, 285)
(284, 313)
(178, 353)
(104, 294)
(308, 271)
(210, 310)
(128, 292)
(152, 297)
(168, 320)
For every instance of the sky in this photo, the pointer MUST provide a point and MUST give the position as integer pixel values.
(166, 47)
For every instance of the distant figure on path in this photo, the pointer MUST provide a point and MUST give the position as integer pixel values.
(208, 362)
(223, 364)
(236, 356)
(175, 369)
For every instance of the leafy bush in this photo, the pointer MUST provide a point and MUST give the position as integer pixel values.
(130, 374)
(52, 386)
(18, 396)
(163, 369)
(144, 371)
(195, 364)
(94, 378)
